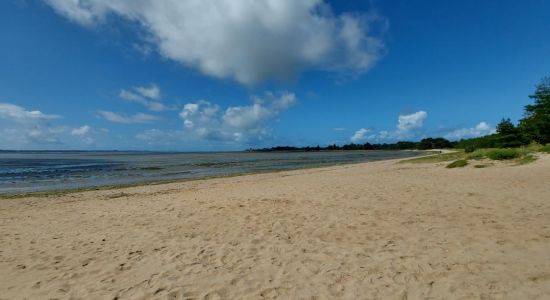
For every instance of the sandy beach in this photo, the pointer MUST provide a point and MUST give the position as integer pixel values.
(379, 230)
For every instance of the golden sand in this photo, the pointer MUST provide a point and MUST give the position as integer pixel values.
(379, 230)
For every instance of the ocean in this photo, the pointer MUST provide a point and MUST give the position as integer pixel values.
(40, 171)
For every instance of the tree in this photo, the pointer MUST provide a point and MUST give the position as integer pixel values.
(508, 134)
(535, 126)
(506, 127)
(431, 143)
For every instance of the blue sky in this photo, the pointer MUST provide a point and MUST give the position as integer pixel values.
(228, 75)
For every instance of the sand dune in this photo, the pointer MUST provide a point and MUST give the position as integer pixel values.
(378, 230)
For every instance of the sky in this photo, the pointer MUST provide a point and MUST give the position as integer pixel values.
(212, 75)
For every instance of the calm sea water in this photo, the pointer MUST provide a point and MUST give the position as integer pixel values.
(30, 171)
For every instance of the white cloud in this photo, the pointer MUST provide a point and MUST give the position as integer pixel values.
(412, 121)
(16, 113)
(246, 117)
(360, 135)
(480, 129)
(146, 96)
(151, 92)
(237, 123)
(407, 127)
(24, 129)
(81, 131)
(125, 119)
(246, 40)
(21, 127)
(160, 137)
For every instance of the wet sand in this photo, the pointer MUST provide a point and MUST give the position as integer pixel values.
(379, 230)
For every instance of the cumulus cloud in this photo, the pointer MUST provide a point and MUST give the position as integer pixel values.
(412, 121)
(81, 131)
(407, 127)
(237, 123)
(480, 129)
(21, 129)
(360, 135)
(245, 40)
(125, 119)
(147, 96)
(84, 133)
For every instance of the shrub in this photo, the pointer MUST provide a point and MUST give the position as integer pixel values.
(478, 154)
(431, 143)
(458, 164)
(545, 148)
(480, 166)
(469, 148)
(488, 141)
(527, 159)
(503, 154)
(532, 147)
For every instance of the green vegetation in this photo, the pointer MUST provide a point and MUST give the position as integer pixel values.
(503, 154)
(469, 149)
(458, 164)
(521, 155)
(529, 158)
(532, 129)
(480, 166)
(437, 158)
(478, 154)
(425, 144)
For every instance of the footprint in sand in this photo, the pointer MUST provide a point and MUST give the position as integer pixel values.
(336, 289)
(180, 293)
(270, 293)
(214, 295)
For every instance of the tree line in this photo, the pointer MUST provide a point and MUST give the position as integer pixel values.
(425, 144)
(533, 127)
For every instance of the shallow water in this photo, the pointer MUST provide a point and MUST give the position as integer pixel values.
(31, 171)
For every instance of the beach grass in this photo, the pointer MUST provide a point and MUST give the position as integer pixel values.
(504, 154)
(437, 158)
(478, 154)
(458, 164)
(521, 155)
(529, 158)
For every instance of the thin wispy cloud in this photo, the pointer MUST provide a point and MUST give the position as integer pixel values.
(127, 119)
(149, 97)
(246, 40)
(17, 113)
